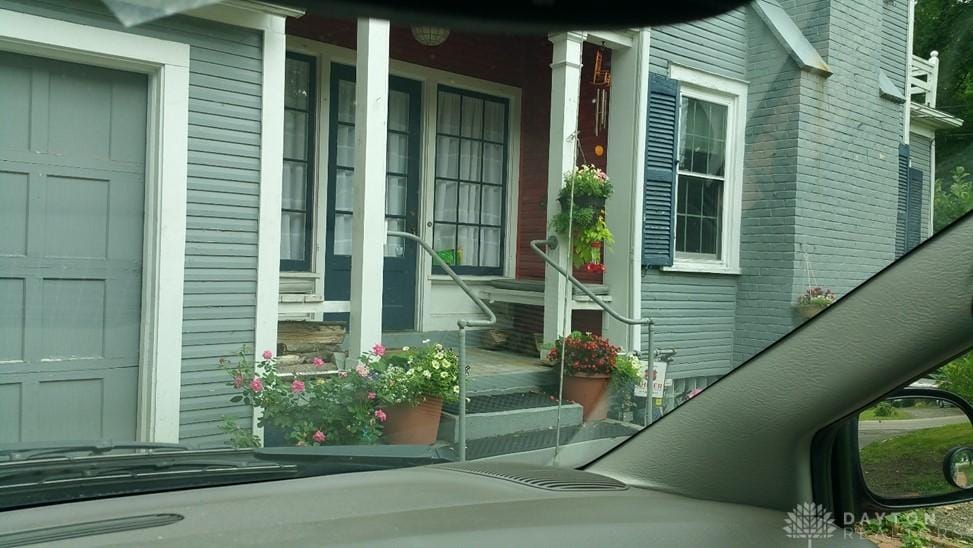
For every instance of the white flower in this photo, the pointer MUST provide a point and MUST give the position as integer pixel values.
(456, 389)
(439, 346)
(442, 374)
(427, 374)
(410, 372)
(435, 364)
(406, 348)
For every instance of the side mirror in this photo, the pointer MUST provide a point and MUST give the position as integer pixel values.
(916, 447)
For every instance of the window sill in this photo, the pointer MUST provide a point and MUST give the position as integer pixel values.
(474, 278)
(298, 274)
(702, 268)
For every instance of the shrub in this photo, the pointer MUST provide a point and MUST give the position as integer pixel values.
(957, 376)
(340, 409)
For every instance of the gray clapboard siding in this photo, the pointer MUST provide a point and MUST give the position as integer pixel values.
(717, 45)
(920, 148)
(224, 147)
(694, 314)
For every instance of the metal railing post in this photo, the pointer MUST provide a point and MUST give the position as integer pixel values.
(463, 325)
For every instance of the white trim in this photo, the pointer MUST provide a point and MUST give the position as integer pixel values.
(627, 112)
(368, 223)
(430, 78)
(247, 14)
(167, 66)
(733, 94)
(271, 175)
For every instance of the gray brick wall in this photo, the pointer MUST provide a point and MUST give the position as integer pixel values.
(819, 188)
(767, 236)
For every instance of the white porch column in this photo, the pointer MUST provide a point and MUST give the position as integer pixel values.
(368, 228)
(565, 87)
(626, 165)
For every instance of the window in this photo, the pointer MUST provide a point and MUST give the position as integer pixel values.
(298, 190)
(471, 178)
(702, 177)
(709, 173)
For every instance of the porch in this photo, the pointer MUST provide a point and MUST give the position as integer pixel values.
(478, 191)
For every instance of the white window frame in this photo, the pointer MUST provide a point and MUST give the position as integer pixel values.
(167, 65)
(731, 93)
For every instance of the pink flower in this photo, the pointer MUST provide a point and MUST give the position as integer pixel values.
(268, 354)
(380, 415)
(318, 362)
(237, 381)
(362, 370)
(256, 384)
(319, 436)
(378, 350)
(297, 386)
(371, 395)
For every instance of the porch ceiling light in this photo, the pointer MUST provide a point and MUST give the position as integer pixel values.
(430, 36)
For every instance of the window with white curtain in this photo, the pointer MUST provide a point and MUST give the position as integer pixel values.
(471, 177)
(297, 196)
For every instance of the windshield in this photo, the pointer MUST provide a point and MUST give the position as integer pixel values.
(414, 243)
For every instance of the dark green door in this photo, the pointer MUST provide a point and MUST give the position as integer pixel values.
(401, 195)
(72, 178)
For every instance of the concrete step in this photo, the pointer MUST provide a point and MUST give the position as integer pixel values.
(502, 414)
(529, 380)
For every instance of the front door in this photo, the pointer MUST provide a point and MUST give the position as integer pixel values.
(401, 195)
(72, 182)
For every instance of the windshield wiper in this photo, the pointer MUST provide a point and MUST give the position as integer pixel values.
(25, 451)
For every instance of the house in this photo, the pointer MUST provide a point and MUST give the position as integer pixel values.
(256, 189)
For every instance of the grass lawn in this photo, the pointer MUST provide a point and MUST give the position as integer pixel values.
(912, 464)
(897, 415)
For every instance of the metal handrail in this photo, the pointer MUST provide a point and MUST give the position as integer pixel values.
(463, 324)
(551, 243)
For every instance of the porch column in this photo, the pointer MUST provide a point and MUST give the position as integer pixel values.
(368, 225)
(626, 164)
(565, 87)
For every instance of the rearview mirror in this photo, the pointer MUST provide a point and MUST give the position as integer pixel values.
(916, 446)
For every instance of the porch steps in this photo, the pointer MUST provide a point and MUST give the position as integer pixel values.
(497, 415)
(514, 382)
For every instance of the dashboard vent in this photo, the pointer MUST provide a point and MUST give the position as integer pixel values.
(541, 477)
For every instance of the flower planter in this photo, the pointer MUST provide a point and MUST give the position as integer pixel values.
(808, 311)
(413, 425)
(589, 391)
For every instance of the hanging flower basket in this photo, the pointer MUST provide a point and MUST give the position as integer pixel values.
(582, 201)
(814, 301)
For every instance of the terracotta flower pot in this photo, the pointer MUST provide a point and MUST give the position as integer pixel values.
(591, 392)
(413, 425)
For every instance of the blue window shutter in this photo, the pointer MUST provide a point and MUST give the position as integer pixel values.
(659, 199)
(902, 217)
(913, 227)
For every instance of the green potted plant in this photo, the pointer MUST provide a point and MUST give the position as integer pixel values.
(624, 378)
(589, 361)
(412, 386)
(582, 200)
(339, 409)
(813, 301)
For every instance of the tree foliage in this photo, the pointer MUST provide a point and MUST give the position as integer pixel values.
(947, 27)
(953, 198)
